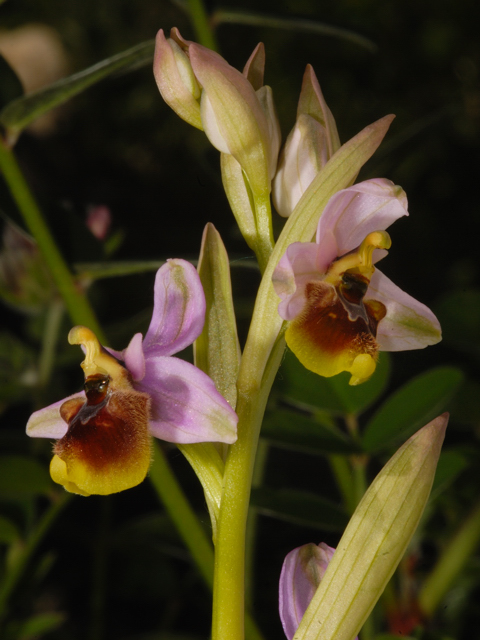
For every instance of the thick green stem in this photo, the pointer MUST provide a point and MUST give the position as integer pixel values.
(191, 531)
(229, 579)
(252, 522)
(264, 241)
(76, 303)
(201, 24)
(452, 561)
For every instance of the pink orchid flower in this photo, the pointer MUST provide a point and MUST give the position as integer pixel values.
(342, 310)
(103, 433)
(302, 572)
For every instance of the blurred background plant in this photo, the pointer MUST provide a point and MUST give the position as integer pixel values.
(117, 567)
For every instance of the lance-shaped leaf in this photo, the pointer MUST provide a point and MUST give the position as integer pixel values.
(375, 539)
(411, 406)
(217, 350)
(21, 112)
(209, 467)
(239, 198)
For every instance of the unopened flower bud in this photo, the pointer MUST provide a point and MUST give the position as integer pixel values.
(309, 146)
(265, 98)
(176, 80)
(232, 116)
(304, 154)
(302, 571)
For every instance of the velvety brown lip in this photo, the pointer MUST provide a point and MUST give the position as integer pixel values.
(327, 319)
(106, 429)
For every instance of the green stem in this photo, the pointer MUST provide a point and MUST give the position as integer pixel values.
(264, 242)
(452, 561)
(13, 576)
(182, 514)
(193, 535)
(359, 478)
(50, 336)
(77, 305)
(358, 463)
(201, 24)
(229, 580)
(343, 475)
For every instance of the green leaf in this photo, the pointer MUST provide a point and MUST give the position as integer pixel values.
(331, 394)
(15, 361)
(293, 430)
(298, 507)
(459, 315)
(10, 85)
(38, 625)
(411, 407)
(450, 465)
(99, 270)
(8, 531)
(301, 25)
(217, 350)
(21, 112)
(465, 407)
(23, 477)
(375, 539)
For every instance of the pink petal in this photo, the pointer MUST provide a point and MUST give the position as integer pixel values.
(352, 213)
(186, 406)
(302, 571)
(409, 324)
(178, 309)
(47, 422)
(297, 267)
(134, 357)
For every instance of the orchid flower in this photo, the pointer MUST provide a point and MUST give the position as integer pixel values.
(302, 572)
(103, 433)
(342, 310)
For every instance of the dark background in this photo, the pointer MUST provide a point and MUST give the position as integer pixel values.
(118, 144)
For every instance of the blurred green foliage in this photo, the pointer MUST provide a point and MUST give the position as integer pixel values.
(115, 567)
